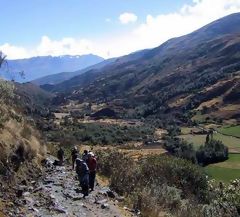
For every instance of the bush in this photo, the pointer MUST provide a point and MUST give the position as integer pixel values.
(167, 183)
(26, 132)
(180, 148)
(155, 182)
(212, 152)
(92, 133)
(6, 91)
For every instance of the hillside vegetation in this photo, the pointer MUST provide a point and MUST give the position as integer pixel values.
(21, 145)
(164, 123)
(199, 71)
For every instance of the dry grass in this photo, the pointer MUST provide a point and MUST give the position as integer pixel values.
(134, 153)
(108, 121)
(159, 133)
(210, 103)
(61, 115)
(1, 209)
(103, 181)
(97, 107)
(14, 133)
(143, 153)
(177, 102)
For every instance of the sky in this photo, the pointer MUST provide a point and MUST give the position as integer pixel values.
(108, 28)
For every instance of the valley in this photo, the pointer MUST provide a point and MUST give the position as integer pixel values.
(164, 124)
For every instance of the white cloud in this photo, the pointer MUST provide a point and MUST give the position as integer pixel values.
(126, 18)
(14, 52)
(64, 46)
(160, 28)
(151, 33)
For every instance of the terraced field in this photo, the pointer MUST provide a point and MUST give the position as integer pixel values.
(227, 170)
(231, 131)
(232, 142)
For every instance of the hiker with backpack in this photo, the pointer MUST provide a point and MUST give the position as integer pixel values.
(82, 171)
(85, 155)
(74, 156)
(60, 156)
(92, 165)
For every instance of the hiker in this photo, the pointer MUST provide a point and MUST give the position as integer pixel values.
(83, 176)
(85, 155)
(74, 156)
(92, 165)
(60, 155)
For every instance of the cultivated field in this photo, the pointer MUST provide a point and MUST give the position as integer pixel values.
(227, 170)
(231, 131)
(232, 142)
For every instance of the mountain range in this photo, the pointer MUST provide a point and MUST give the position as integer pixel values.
(41, 66)
(63, 76)
(182, 73)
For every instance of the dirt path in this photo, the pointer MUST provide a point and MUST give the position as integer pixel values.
(58, 195)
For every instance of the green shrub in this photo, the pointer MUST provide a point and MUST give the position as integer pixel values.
(212, 152)
(180, 148)
(155, 182)
(92, 133)
(6, 91)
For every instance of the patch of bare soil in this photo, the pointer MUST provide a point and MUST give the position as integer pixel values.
(159, 133)
(119, 122)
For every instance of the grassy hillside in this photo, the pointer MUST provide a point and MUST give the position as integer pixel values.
(20, 142)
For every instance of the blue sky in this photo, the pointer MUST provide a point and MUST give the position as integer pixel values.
(104, 27)
(26, 21)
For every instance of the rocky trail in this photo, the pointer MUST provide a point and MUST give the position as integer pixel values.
(58, 194)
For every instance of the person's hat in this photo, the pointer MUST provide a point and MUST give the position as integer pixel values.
(91, 154)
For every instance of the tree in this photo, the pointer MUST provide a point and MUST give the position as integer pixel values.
(207, 139)
(212, 152)
(6, 88)
(2, 59)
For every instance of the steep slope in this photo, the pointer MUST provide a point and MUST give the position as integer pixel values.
(20, 142)
(178, 68)
(29, 93)
(37, 67)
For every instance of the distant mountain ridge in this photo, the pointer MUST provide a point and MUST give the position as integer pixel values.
(40, 66)
(83, 77)
(63, 76)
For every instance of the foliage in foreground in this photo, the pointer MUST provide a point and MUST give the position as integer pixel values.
(165, 183)
(6, 90)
